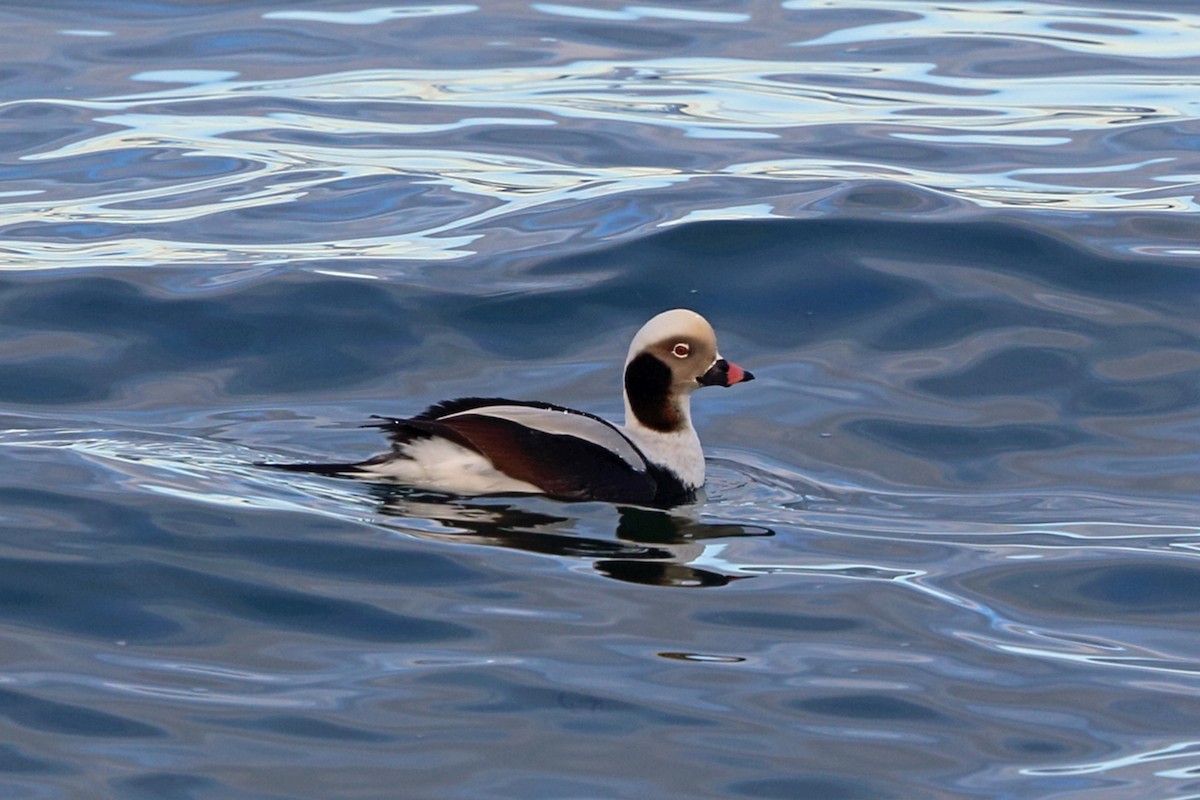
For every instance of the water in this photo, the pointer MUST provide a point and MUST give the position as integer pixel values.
(949, 543)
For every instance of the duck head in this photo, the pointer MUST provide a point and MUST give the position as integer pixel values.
(673, 354)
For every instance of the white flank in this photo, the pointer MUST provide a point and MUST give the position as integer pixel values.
(442, 466)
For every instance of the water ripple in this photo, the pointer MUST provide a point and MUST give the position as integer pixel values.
(305, 140)
(948, 543)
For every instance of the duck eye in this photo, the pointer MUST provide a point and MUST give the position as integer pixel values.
(681, 350)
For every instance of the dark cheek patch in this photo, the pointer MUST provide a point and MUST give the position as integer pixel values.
(648, 385)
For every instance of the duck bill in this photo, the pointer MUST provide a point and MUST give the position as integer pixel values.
(724, 373)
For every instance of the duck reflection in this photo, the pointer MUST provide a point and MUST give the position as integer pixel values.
(649, 546)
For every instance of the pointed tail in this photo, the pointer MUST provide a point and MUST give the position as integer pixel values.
(315, 469)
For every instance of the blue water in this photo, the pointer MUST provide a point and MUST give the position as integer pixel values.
(949, 544)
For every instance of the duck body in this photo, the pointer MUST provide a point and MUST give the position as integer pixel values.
(477, 445)
(491, 445)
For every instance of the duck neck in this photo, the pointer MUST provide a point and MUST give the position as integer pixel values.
(678, 450)
(659, 420)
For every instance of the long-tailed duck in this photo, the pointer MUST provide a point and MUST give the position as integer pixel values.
(478, 445)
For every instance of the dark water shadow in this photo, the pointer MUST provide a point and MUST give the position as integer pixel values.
(648, 546)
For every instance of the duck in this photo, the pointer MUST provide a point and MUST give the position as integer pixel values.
(475, 446)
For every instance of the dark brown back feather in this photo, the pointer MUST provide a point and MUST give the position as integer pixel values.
(560, 465)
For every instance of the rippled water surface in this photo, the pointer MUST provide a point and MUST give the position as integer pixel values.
(949, 544)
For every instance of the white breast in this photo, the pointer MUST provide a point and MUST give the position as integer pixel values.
(679, 451)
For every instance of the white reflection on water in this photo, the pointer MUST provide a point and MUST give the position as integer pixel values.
(986, 139)
(372, 16)
(1148, 34)
(633, 13)
(735, 92)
